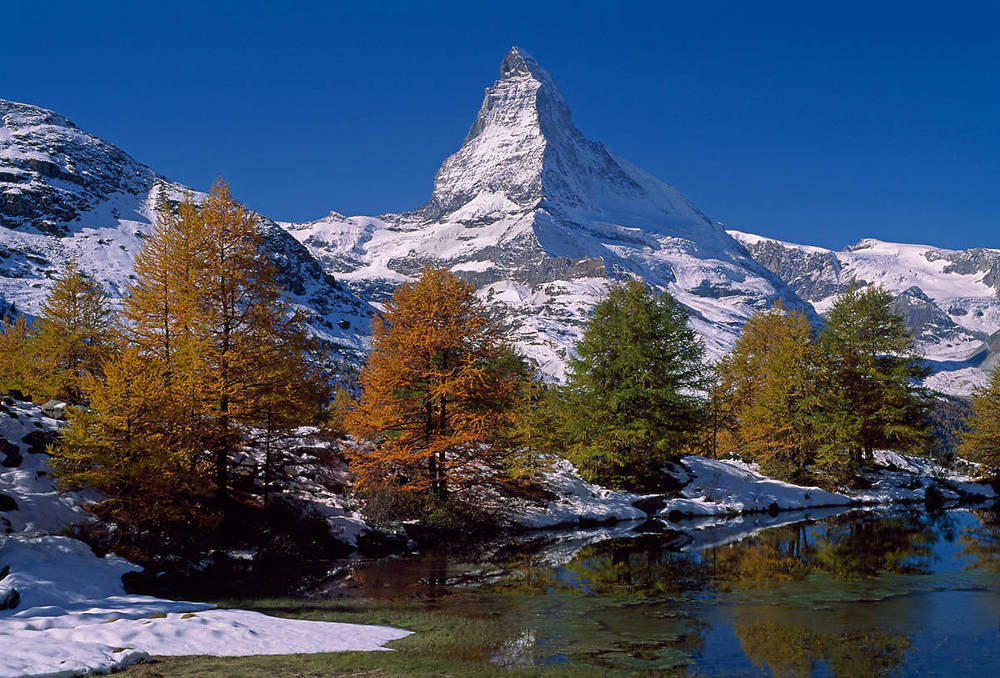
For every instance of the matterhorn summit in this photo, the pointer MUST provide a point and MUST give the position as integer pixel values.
(543, 221)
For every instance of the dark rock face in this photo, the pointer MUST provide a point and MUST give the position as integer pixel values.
(53, 172)
(967, 262)
(10, 600)
(10, 454)
(813, 275)
(7, 502)
(925, 319)
(38, 441)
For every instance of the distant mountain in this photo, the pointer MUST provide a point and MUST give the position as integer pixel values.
(947, 297)
(65, 193)
(542, 221)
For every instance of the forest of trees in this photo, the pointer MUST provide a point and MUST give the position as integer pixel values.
(204, 366)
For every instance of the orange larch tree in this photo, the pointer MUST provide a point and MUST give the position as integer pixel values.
(437, 393)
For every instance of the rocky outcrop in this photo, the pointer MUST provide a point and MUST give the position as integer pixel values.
(65, 193)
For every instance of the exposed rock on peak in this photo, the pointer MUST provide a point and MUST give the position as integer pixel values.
(542, 220)
(65, 193)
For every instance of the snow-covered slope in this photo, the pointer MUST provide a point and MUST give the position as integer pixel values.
(65, 193)
(947, 297)
(542, 219)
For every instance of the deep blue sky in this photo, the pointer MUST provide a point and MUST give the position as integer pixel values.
(812, 122)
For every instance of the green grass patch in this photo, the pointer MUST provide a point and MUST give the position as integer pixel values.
(456, 639)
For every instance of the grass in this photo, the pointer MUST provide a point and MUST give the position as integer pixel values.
(456, 641)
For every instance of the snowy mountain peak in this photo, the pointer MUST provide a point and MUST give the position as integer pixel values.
(542, 221)
(51, 172)
(16, 115)
(66, 194)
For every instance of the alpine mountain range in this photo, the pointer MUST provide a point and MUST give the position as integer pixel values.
(539, 218)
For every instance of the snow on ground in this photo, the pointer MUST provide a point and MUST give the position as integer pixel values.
(717, 486)
(65, 611)
(73, 617)
(903, 478)
(729, 488)
(576, 501)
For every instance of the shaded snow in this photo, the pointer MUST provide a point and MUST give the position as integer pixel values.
(69, 613)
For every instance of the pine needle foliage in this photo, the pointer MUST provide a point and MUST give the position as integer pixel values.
(981, 441)
(72, 337)
(873, 395)
(216, 362)
(769, 391)
(635, 394)
(439, 388)
(16, 364)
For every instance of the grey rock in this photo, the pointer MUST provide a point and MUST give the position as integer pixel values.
(10, 453)
(56, 409)
(7, 502)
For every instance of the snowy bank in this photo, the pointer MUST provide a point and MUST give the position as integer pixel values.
(730, 488)
(64, 611)
(575, 501)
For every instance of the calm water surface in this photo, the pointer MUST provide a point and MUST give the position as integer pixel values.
(859, 593)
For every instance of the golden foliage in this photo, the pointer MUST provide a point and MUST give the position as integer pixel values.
(438, 389)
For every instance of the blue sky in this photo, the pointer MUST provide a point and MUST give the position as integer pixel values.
(812, 122)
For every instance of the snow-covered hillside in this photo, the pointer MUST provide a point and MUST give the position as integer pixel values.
(65, 193)
(542, 219)
(947, 297)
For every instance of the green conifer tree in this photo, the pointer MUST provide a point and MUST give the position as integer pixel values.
(634, 397)
(873, 397)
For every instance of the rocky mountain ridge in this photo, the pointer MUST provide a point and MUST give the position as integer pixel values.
(539, 218)
(65, 193)
(542, 221)
(948, 298)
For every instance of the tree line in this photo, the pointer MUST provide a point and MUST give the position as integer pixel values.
(203, 363)
(205, 371)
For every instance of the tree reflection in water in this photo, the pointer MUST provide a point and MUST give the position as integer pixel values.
(981, 543)
(829, 597)
(795, 651)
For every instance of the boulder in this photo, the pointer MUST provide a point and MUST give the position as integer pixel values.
(14, 394)
(9, 600)
(55, 409)
(10, 454)
(7, 502)
(37, 441)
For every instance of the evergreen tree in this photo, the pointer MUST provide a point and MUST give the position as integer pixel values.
(872, 397)
(73, 335)
(439, 387)
(635, 392)
(768, 390)
(981, 442)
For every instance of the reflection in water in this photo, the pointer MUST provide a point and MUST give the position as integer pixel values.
(981, 543)
(787, 651)
(863, 593)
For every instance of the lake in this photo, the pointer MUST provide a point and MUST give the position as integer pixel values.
(831, 593)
